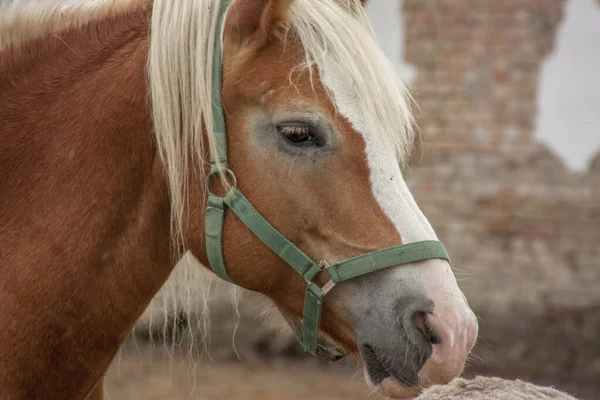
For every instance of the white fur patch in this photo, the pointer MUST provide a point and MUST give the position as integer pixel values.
(387, 184)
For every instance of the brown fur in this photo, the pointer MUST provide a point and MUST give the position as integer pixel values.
(84, 206)
(488, 388)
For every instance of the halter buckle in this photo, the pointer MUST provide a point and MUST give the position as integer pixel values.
(323, 264)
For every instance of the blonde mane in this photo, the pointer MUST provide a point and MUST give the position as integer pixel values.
(22, 20)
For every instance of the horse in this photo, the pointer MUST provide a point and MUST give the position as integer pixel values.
(254, 134)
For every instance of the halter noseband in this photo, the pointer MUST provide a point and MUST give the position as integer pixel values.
(308, 332)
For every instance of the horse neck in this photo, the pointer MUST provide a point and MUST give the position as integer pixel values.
(84, 208)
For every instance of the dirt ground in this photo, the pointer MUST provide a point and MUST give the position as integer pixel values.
(146, 372)
(139, 376)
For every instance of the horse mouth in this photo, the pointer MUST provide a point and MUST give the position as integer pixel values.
(375, 368)
(384, 378)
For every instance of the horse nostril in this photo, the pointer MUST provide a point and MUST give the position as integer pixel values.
(422, 324)
(433, 337)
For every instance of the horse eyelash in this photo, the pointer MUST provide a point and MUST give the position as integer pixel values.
(294, 130)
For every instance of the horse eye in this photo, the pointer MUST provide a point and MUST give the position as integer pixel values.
(297, 134)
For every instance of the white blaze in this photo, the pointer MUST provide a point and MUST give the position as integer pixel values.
(387, 184)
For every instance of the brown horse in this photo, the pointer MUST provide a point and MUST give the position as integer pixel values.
(105, 126)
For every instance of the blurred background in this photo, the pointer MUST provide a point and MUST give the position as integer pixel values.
(508, 174)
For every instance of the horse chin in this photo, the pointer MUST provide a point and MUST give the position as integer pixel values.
(392, 389)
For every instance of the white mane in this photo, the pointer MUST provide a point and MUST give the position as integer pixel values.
(21, 20)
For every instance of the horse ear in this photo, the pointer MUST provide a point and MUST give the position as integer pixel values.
(255, 18)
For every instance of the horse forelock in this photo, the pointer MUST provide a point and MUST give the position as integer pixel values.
(339, 41)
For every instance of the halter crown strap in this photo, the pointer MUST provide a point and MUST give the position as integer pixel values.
(215, 211)
(308, 331)
(218, 149)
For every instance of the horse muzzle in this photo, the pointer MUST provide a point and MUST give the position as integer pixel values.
(418, 339)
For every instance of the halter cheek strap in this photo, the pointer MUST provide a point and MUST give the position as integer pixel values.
(308, 331)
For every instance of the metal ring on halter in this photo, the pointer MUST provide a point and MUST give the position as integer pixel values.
(328, 286)
(226, 174)
(323, 264)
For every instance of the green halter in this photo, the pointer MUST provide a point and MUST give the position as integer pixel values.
(308, 333)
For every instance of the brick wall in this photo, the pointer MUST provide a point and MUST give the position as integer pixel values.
(478, 65)
(523, 231)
